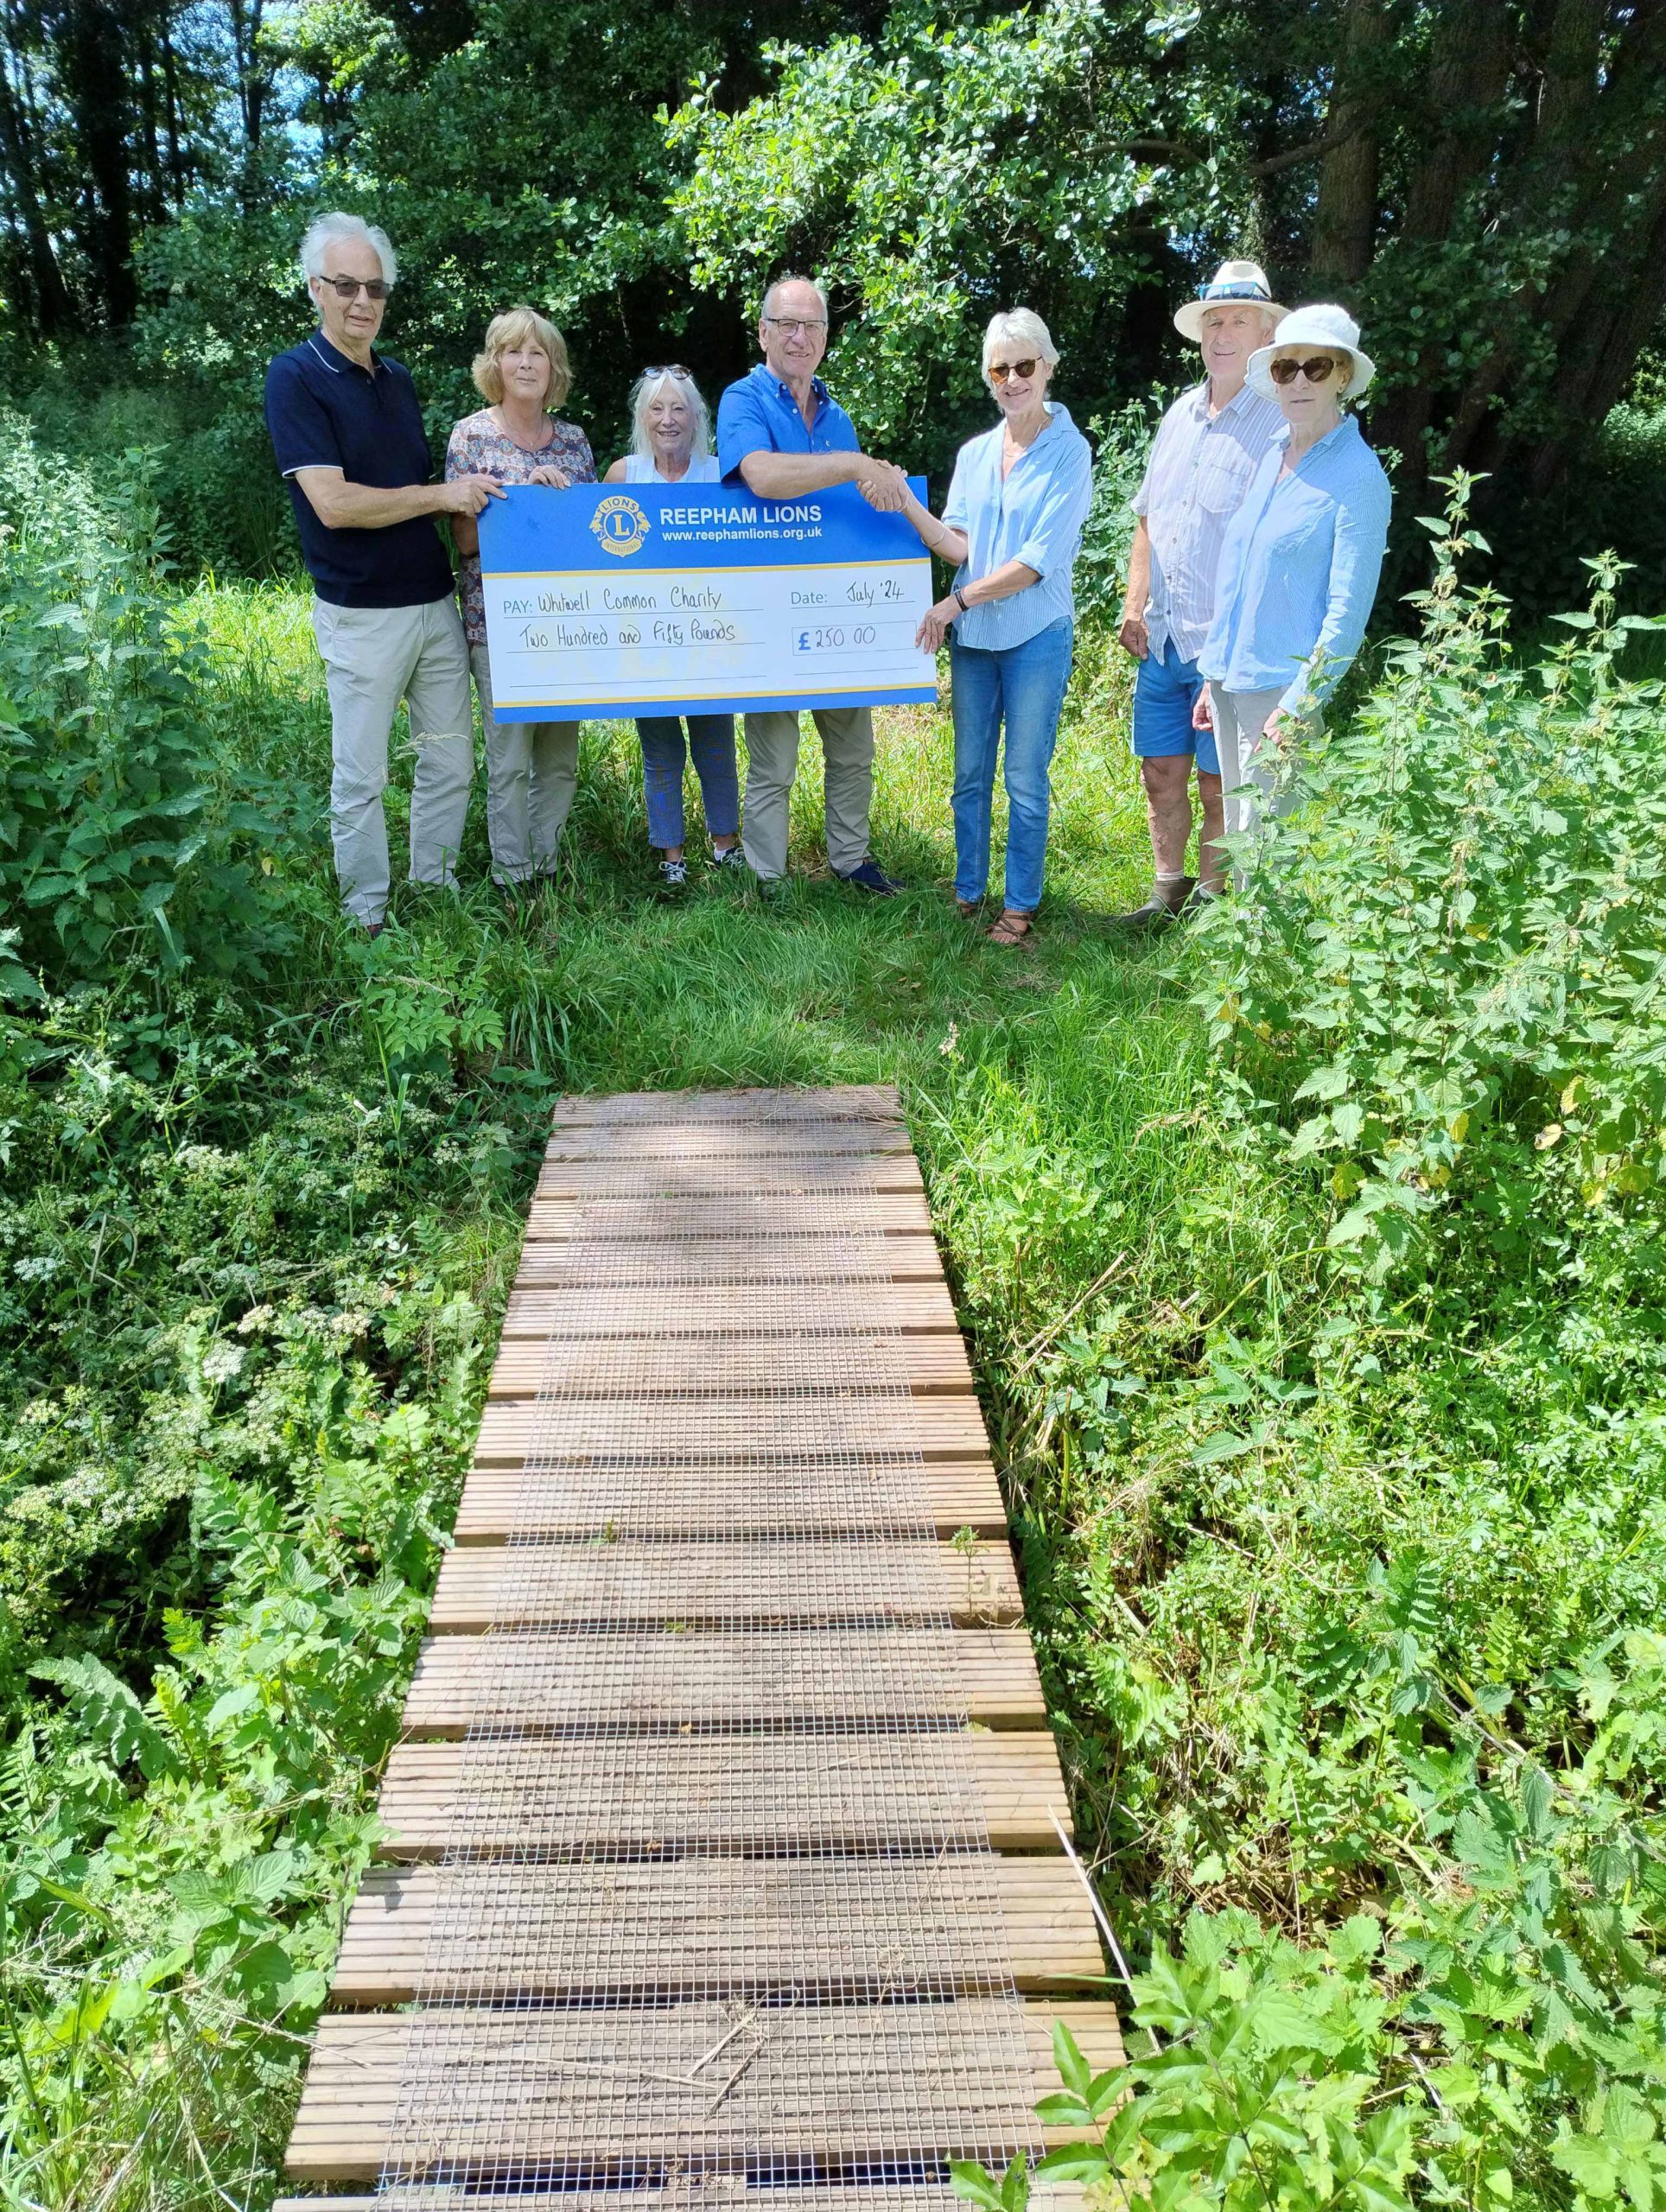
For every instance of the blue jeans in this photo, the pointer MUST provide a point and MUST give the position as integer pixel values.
(711, 741)
(1024, 686)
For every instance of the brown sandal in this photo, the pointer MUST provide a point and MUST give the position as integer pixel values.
(1011, 928)
(967, 907)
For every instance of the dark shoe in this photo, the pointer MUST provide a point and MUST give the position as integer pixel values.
(1158, 911)
(1197, 901)
(870, 876)
(731, 856)
(673, 878)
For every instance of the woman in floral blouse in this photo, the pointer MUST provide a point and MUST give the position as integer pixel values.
(532, 768)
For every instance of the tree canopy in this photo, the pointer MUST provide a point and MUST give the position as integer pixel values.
(1483, 181)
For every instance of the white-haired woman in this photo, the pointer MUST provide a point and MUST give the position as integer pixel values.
(523, 374)
(670, 443)
(1011, 524)
(1298, 564)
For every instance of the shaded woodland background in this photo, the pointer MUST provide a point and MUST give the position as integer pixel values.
(1483, 181)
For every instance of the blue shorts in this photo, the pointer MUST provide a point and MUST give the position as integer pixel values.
(1165, 692)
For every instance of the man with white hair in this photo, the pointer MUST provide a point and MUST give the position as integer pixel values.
(781, 433)
(348, 434)
(1207, 449)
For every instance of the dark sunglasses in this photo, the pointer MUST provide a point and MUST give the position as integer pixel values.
(1315, 369)
(349, 288)
(999, 371)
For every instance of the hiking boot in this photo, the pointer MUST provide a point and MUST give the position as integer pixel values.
(1166, 905)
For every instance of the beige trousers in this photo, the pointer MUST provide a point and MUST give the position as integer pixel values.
(847, 736)
(373, 658)
(1252, 786)
(531, 773)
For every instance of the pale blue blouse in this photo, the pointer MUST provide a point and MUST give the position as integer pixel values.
(1299, 570)
(1035, 515)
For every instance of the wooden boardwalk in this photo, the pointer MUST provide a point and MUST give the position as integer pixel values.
(722, 1848)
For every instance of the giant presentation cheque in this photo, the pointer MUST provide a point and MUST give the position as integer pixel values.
(662, 599)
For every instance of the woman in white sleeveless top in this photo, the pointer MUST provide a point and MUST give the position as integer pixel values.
(672, 444)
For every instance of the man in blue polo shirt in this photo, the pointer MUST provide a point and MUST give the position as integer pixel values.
(347, 432)
(780, 434)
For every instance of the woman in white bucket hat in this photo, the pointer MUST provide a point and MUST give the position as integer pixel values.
(1300, 561)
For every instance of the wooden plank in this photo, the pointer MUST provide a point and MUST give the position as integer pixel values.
(847, 1216)
(489, 1933)
(760, 1793)
(701, 1262)
(596, 2087)
(701, 1177)
(513, 1430)
(578, 1501)
(642, 1679)
(700, 1367)
(621, 1141)
(698, 2193)
(717, 1309)
(701, 1585)
(857, 1102)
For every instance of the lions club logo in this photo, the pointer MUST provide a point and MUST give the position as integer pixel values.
(620, 524)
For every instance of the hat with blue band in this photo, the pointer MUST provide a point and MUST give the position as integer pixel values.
(1235, 283)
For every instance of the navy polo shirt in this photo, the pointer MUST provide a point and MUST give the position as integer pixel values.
(759, 414)
(323, 411)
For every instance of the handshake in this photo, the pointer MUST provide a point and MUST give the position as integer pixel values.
(882, 483)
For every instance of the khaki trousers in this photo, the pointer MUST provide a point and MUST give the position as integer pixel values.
(373, 658)
(532, 773)
(847, 736)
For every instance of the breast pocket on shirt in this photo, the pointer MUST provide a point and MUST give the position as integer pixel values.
(1221, 487)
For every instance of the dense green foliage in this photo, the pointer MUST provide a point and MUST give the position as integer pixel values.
(1312, 1263)
(1484, 180)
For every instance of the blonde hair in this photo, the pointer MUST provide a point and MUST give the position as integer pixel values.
(1019, 327)
(521, 326)
(646, 389)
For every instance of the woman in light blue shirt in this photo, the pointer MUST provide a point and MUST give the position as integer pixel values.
(670, 443)
(1298, 564)
(1011, 524)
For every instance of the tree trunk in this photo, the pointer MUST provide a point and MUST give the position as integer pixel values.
(94, 83)
(170, 84)
(52, 308)
(1469, 67)
(1345, 221)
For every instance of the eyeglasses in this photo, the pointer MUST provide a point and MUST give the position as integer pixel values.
(999, 371)
(348, 289)
(789, 323)
(670, 369)
(1315, 369)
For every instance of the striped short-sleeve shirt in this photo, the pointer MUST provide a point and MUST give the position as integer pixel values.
(1201, 468)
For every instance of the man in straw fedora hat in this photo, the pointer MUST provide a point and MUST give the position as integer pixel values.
(1207, 449)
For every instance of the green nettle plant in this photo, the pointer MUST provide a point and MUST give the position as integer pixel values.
(1261, 2089)
(1457, 945)
(124, 836)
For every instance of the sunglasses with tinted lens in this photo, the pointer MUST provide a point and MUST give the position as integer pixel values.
(1315, 369)
(999, 371)
(349, 288)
